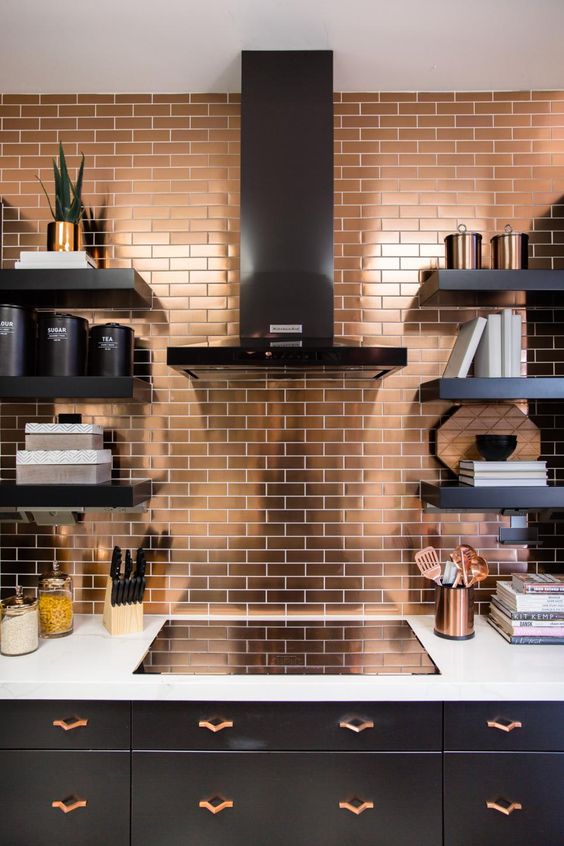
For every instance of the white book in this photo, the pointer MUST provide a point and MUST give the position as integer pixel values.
(502, 483)
(506, 342)
(464, 348)
(529, 601)
(487, 361)
(42, 265)
(516, 345)
(52, 256)
(502, 465)
(501, 474)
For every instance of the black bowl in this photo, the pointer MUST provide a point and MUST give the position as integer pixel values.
(496, 447)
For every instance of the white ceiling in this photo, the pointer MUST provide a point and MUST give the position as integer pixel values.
(183, 45)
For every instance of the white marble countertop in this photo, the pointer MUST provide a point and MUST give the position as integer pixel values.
(92, 665)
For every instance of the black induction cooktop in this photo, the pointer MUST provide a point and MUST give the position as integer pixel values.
(287, 647)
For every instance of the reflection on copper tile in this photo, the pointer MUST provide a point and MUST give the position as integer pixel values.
(282, 497)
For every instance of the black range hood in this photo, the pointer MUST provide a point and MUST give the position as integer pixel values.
(286, 292)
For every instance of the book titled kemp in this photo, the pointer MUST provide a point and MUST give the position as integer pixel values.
(537, 583)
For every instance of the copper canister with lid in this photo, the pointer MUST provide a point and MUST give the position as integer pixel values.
(510, 250)
(463, 249)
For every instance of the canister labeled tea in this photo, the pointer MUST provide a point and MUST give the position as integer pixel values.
(17, 341)
(62, 345)
(110, 350)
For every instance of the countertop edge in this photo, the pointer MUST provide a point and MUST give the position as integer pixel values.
(91, 665)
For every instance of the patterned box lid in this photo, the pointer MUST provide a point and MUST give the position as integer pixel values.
(64, 456)
(63, 429)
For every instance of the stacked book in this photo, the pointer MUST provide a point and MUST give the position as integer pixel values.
(529, 609)
(492, 343)
(64, 454)
(503, 474)
(51, 259)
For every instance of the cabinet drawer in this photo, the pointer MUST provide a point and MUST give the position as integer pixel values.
(367, 726)
(533, 726)
(534, 781)
(53, 724)
(282, 798)
(32, 781)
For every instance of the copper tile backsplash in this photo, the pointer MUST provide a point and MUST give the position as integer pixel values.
(284, 496)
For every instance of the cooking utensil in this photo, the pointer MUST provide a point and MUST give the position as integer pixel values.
(140, 566)
(461, 557)
(127, 581)
(479, 570)
(429, 564)
(115, 568)
(449, 574)
(463, 249)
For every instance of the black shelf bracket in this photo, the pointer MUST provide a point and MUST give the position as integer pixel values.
(518, 533)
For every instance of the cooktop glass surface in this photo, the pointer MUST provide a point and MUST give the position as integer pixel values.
(294, 647)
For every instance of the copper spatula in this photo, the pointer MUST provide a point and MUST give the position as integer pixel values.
(428, 562)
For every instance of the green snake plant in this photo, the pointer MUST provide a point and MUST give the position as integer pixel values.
(68, 200)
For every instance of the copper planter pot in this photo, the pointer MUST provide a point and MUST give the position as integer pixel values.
(62, 236)
(454, 613)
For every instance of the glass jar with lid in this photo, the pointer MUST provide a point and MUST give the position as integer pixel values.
(19, 625)
(55, 603)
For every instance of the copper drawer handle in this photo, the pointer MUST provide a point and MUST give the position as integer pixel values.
(356, 806)
(216, 724)
(504, 725)
(356, 724)
(215, 804)
(503, 806)
(71, 803)
(70, 723)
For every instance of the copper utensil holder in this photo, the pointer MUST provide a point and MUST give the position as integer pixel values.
(454, 613)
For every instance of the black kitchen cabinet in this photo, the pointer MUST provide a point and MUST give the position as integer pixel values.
(64, 798)
(504, 727)
(297, 726)
(64, 724)
(504, 800)
(281, 773)
(279, 798)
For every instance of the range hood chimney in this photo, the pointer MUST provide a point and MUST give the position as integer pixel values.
(286, 293)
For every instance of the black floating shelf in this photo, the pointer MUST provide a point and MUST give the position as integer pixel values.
(115, 494)
(504, 388)
(457, 497)
(483, 285)
(87, 388)
(82, 288)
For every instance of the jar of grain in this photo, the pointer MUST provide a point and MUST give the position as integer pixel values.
(55, 603)
(19, 625)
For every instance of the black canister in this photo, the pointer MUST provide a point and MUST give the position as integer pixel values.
(110, 351)
(17, 340)
(62, 345)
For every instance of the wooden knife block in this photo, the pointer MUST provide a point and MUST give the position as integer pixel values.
(121, 619)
